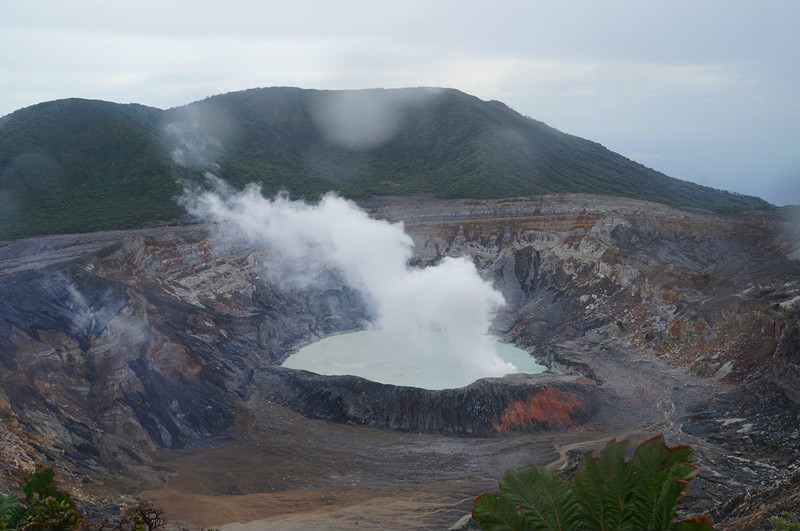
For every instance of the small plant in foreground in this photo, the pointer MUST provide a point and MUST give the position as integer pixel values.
(48, 509)
(785, 522)
(148, 515)
(607, 492)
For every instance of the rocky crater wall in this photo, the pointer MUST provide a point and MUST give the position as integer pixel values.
(701, 290)
(518, 403)
(117, 344)
(786, 364)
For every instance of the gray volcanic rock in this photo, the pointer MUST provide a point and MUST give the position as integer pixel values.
(786, 365)
(705, 291)
(114, 346)
(521, 403)
(150, 342)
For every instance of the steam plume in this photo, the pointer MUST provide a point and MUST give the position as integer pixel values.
(449, 299)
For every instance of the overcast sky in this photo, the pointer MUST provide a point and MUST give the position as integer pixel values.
(703, 90)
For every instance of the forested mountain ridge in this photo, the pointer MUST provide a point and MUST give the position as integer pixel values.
(80, 165)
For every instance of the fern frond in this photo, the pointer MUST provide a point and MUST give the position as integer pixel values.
(660, 476)
(497, 513)
(602, 483)
(533, 499)
(606, 494)
(12, 513)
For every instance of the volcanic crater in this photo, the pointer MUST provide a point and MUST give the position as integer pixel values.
(149, 361)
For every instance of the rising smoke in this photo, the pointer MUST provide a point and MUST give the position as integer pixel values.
(448, 300)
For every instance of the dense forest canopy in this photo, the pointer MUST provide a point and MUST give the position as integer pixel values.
(81, 165)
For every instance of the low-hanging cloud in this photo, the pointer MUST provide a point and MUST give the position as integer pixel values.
(197, 135)
(448, 300)
(362, 119)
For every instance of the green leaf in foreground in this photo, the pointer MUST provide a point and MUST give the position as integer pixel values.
(530, 499)
(607, 493)
(47, 509)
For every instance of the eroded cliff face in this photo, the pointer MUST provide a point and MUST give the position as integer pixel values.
(786, 362)
(149, 340)
(115, 345)
(708, 292)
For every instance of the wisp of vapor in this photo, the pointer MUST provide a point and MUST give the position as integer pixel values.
(448, 300)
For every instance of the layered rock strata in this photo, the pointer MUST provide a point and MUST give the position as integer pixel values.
(116, 345)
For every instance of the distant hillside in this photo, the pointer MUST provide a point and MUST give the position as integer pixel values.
(79, 165)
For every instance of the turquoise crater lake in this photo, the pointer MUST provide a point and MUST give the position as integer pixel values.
(406, 361)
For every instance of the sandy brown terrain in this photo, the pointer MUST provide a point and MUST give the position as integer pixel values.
(318, 475)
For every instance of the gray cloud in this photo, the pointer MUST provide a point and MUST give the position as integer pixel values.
(364, 118)
(638, 77)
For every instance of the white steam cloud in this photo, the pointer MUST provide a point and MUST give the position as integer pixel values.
(448, 300)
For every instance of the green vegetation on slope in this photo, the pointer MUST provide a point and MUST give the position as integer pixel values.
(80, 165)
(77, 166)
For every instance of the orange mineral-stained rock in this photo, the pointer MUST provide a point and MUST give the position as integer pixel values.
(547, 409)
